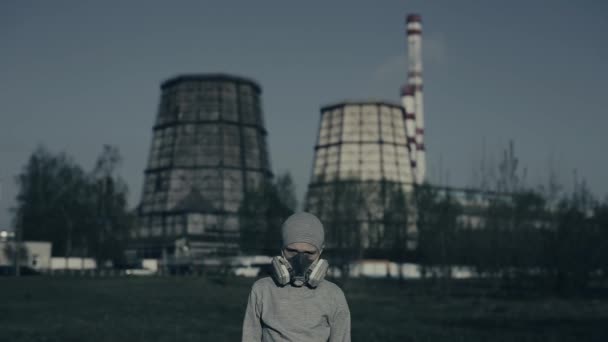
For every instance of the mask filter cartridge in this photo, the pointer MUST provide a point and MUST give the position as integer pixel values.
(299, 270)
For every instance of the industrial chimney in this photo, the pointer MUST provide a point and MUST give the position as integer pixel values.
(407, 101)
(414, 79)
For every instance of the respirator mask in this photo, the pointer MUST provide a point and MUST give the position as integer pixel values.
(299, 270)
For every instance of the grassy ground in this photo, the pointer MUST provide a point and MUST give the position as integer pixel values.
(204, 309)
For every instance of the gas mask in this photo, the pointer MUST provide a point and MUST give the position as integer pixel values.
(299, 270)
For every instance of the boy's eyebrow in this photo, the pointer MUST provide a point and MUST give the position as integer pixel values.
(296, 250)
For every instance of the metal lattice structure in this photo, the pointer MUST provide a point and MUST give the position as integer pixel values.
(364, 143)
(208, 148)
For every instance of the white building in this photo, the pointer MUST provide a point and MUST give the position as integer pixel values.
(36, 254)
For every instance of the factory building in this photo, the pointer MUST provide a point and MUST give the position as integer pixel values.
(208, 148)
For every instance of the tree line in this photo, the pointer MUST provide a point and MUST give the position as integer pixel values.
(518, 238)
(500, 229)
(82, 213)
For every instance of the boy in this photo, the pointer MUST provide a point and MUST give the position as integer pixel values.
(297, 304)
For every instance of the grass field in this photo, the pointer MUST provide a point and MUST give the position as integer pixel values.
(207, 309)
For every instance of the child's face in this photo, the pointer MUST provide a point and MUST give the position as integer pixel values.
(301, 247)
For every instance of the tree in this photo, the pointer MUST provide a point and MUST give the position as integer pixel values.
(396, 222)
(262, 213)
(575, 241)
(509, 179)
(438, 228)
(600, 221)
(252, 221)
(425, 198)
(10, 252)
(52, 200)
(286, 191)
(80, 213)
(348, 212)
(112, 221)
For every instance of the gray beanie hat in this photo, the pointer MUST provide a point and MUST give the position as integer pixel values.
(303, 227)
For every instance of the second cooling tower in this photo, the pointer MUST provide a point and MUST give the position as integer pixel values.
(363, 145)
(363, 141)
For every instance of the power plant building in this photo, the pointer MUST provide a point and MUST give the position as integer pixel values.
(377, 146)
(208, 148)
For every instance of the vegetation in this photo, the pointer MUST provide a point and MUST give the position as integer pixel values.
(201, 309)
(81, 213)
(503, 230)
(262, 213)
(519, 236)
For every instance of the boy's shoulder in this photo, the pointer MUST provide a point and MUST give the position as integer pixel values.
(330, 286)
(263, 282)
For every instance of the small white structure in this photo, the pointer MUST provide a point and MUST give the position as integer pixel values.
(249, 266)
(149, 267)
(150, 264)
(73, 263)
(380, 268)
(37, 254)
(383, 269)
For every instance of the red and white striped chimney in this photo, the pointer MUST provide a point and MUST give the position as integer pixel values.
(414, 79)
(407, 101)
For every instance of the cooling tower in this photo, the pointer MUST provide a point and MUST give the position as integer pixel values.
(361, 143)
(208, 148)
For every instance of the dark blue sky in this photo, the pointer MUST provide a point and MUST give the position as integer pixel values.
(76, 75)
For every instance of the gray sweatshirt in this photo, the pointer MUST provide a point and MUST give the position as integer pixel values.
(296, 314)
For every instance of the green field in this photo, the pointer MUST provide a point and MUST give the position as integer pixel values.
(207, 309)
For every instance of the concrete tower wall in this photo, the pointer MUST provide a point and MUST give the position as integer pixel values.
(361, 148)
(364, 141)
(208, 148)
